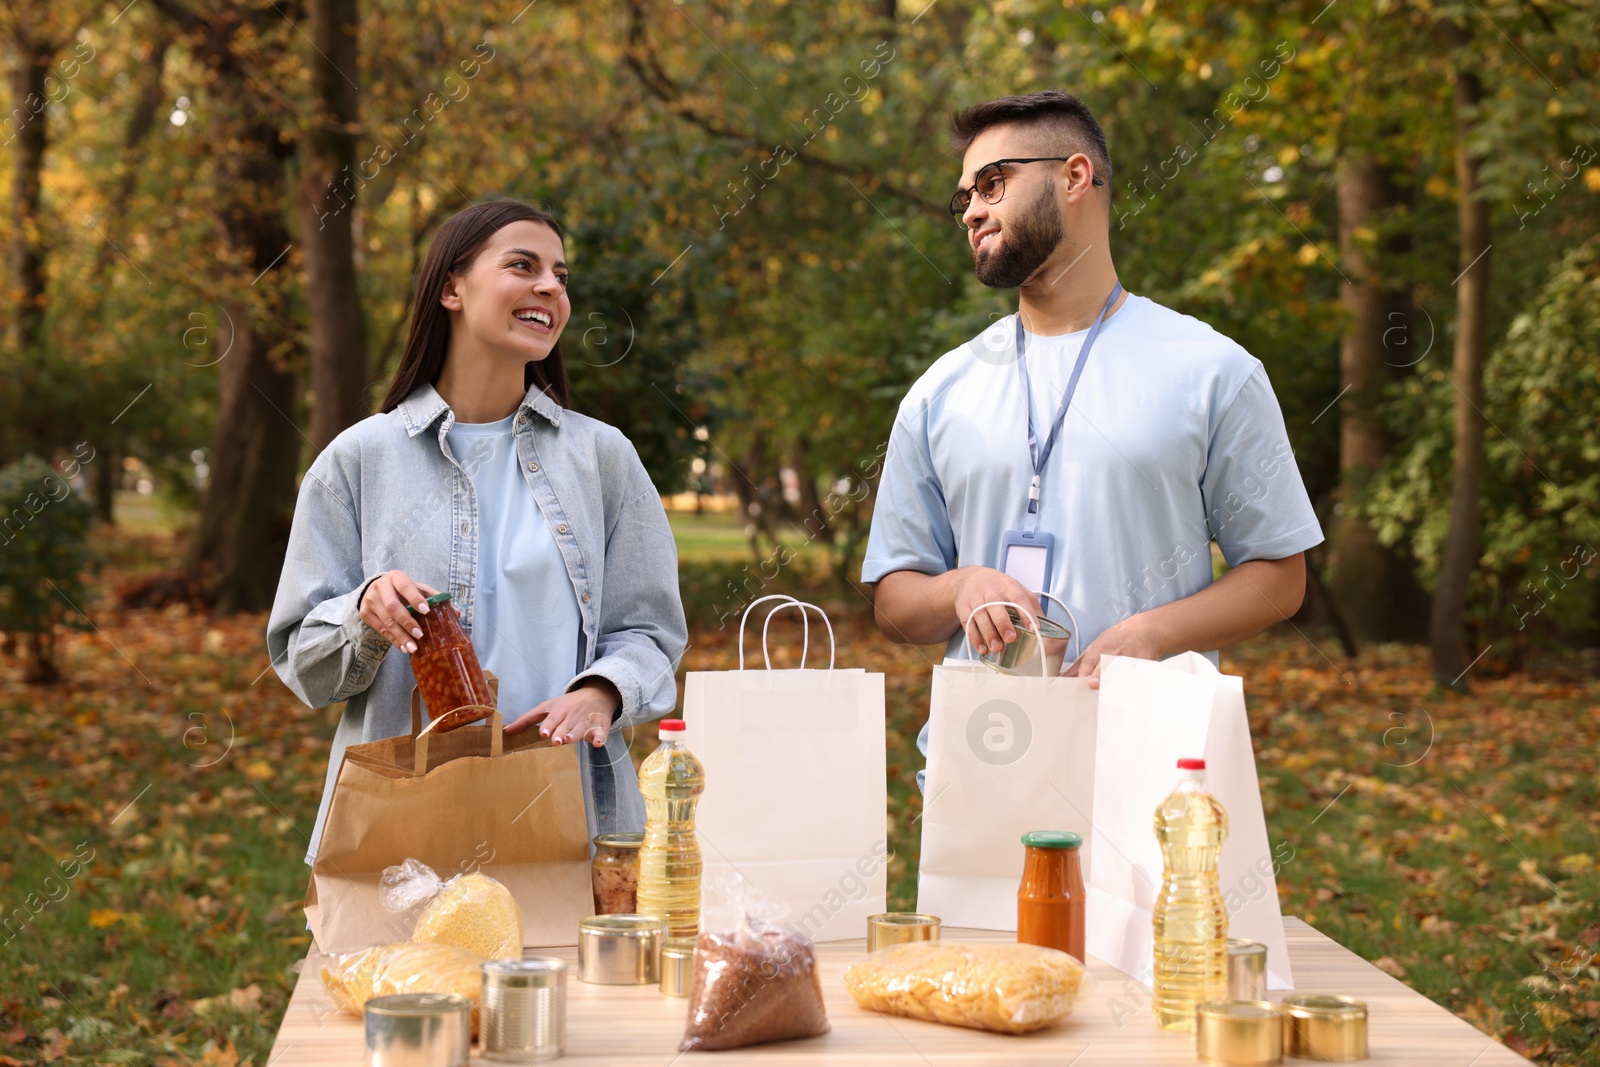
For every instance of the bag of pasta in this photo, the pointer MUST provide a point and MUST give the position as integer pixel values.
(1007, 988)
(470, 911)
(755, 980)
(357, 977)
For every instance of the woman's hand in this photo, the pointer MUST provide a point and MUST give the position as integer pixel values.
(585, 712)
(383, 607)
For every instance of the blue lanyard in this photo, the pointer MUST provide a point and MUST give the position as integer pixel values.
(1040, 457)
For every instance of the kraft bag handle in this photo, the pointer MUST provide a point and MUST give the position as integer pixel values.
(419, 732)
(966, 641)
(806, 640)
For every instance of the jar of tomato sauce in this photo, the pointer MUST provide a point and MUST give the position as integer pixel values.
(1050, 900)
(446, 667)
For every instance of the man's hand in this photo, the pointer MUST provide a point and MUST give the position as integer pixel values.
(991, 629)
(1134, 636)
(1240, 604)
(585, 712)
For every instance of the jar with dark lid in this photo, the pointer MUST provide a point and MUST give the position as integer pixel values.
(614, 871)
(448, 674)
(1050, 900)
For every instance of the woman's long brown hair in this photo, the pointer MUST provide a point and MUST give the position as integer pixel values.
(456, 245)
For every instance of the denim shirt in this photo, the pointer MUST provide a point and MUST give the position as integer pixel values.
(387, 494)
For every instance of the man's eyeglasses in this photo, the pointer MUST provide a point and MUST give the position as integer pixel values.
(991, 184)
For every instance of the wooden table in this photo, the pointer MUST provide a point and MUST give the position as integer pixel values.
(1111, 1025)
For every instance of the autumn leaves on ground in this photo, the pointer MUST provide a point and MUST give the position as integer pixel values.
(156, 805)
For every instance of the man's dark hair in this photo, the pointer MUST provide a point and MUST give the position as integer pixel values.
(1060, 124)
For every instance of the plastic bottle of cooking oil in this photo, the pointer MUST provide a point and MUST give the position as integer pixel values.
(671, 781)
(1191, 923)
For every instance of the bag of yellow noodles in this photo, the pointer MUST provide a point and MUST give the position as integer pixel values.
(357, 977)
(1007, 988)
(471, 911)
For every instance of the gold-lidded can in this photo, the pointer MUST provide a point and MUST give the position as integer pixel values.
(677, 965)
(621, 949)
(1238, 1033)
(1247, 969)
(900, 927)
(1321, 1026)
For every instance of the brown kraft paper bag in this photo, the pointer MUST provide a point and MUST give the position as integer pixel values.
(470, 799)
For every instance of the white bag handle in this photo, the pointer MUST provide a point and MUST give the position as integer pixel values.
(966, 642)
(806, 640)
(751, 607)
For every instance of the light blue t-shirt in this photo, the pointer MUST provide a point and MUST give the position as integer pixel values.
(527, 623)
(1174, 438)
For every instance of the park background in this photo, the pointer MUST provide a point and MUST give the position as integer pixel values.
(215, 211)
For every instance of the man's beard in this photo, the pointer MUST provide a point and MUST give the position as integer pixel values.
(1026, 244)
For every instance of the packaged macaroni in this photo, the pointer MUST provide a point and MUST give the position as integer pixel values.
(1007, 988)
(357, 977)
(471, 911)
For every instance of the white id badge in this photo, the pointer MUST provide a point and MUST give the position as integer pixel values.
(1029, 557)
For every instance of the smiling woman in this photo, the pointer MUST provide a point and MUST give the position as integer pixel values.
(502, 257)
(475, 479)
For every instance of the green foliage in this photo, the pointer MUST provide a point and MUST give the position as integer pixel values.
(44, 550)
(756, 199)
(1541, 490)
(629, 340)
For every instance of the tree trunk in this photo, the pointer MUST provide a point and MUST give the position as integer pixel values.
(243, 529)
(1447, 628)
(23, 335)
(39, 647)
(141, 120)
(1373, 585)
(327, 206)
(245, 514)
(27, 251)
(814, 518)
(102, 475)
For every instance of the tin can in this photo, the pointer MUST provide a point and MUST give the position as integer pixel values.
(418, 1030)
(1238, 1033)
(524, 1009)
(1015, 657)
(1247, 969)
(677, 965)
(1317, 1026)
(899, 927)
(621, 949)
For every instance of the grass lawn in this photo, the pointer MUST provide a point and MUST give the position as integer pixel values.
(155, 807)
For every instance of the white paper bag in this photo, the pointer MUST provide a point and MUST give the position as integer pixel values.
(1150, 716)
(1006, 754)
(796, 794)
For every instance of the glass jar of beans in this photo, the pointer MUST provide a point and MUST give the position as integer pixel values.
(446, 668)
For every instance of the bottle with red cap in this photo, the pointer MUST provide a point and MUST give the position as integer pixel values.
(671, 781)
(1191, 922)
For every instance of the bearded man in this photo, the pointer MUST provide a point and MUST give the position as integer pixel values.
(1093, 446)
